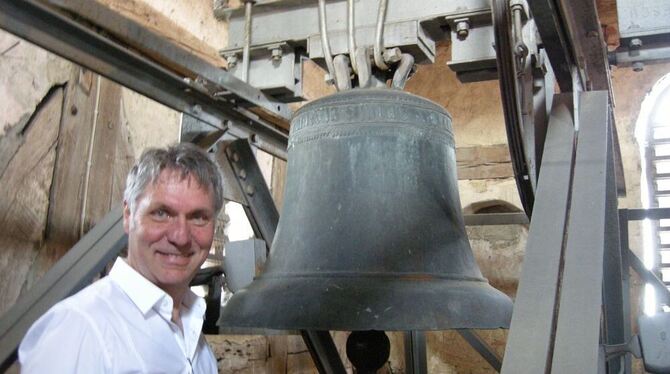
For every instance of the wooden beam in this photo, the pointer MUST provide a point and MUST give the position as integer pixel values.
(148, 17)
(110, 158)
(24, 197)
(484, 162)
(63, 226)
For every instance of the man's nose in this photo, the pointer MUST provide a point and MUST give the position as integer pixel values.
(179, 233)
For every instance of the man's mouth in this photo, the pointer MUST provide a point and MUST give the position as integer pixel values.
(175, 258)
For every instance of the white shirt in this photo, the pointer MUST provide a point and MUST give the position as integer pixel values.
(119, 324)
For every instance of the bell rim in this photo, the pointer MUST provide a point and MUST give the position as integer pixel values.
(398, 305)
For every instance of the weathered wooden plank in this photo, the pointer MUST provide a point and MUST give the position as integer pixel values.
(107, 166)
(484, 162)
(63, 227)
(11, 141)
(24, 197)
(153, 20)
(278, 181)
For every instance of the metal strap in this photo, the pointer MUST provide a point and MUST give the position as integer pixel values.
(531, 331)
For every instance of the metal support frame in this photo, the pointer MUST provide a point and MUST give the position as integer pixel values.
(70, 274)
(482, 348)
(258, 203)
(192, 94)
(529, 342)
(592, 217)
(264, 217)
(570, 296)
(416, 361)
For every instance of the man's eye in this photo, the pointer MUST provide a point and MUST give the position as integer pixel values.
(160, 214)
(200, 220)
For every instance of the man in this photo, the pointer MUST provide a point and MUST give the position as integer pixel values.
(142, 317)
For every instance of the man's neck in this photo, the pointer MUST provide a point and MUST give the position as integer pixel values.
(177, 297)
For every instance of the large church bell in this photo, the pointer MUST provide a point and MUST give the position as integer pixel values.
(371, 235)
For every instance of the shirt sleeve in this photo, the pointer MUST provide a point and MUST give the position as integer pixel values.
(64, 340)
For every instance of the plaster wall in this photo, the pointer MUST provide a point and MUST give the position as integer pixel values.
(27, 74)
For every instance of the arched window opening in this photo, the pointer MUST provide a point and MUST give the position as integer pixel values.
(491, 206)
(652, 132)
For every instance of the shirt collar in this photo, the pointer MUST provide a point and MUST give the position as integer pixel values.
(146, 295)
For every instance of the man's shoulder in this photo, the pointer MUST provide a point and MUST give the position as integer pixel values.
(98, 297)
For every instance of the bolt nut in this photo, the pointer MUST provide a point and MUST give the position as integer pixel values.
(462, 29)
(328, 79)
(236, 157)
(232, 61)
(243, 174)
(635, 43)
(249, 190)
(392, 55)
(276, 54)
(638, 66)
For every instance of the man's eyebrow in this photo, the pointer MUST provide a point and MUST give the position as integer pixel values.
(201, 212)
(164, 207)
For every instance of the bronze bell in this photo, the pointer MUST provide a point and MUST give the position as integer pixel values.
(371, 235)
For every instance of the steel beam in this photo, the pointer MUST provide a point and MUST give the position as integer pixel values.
(582, 26)
(625, 281)
(482, 348)
(556, 42)
(638, 266)
(616, 326)
(70, 274)
(323, 351)
(60, 34)
(531, 331)
(650, 213)
(592, 209)
(416, 360)
(258, 202)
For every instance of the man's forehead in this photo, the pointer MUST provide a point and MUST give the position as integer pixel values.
(177, 176)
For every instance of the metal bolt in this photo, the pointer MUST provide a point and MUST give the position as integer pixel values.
(328, 79)
(74, 110)
(462, 29)
(276, 54)
(392, 55)
(635, 43)
(243, 174)
(638, 66)
(249, 190)
(232, 61)
(236, 157)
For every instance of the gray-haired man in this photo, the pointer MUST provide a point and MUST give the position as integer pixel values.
(143, 316)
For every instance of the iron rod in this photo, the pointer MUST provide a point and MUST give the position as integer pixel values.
(379, 36)
(325, 45)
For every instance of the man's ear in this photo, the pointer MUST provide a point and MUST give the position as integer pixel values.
(126, 216)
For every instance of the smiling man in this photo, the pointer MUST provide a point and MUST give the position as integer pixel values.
(142, 317)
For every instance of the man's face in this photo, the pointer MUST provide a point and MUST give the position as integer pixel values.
(170, 231)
